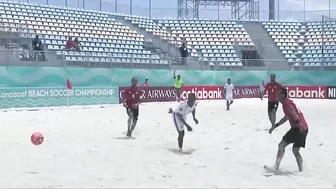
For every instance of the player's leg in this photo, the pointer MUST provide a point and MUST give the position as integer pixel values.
(180, 139)
(286, 139)
(272, 112)
(227, 98)
(280, 154)
(130, 120)
(178, 93)
(180, 129)
(300, 142)
(298, 157)
(135, 119)
(230, 101)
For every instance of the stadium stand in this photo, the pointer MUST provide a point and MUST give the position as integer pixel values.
(107, 40)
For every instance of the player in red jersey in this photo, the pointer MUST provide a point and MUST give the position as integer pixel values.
(298, 132)
(133, 96)
(271, 89)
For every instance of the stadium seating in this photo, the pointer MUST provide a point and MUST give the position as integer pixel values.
(320, 46)
(104, 39)
(286, 36)
(212, 41)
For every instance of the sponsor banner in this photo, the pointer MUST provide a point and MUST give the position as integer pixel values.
(307, 92)
(27, 97)
(252, 91)
(153, 94)
(331, 92)
(203, 92)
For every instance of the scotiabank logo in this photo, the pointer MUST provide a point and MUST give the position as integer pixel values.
(307, 92)
(203, 92)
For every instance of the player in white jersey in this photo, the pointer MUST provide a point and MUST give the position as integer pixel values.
(180, 115)
(228, 92)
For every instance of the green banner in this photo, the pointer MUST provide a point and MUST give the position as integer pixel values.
(93, 77)
(27, 97)
(46, 86)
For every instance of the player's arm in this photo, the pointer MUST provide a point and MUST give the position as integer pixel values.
(265, 88)
(194, 116)
(126, 97)
(224, 90)
(174, 75)
(263, 92)
(282, 121)
(140, 99)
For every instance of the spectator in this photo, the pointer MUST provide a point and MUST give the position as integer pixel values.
(38, 47)
(146, 84)
(70, 44)
(76, 44)
(184, 53)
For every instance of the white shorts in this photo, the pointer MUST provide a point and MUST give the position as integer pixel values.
(178, 124)
(229, 98)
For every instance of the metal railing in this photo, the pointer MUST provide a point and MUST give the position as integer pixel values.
(23, 57)
(298, 10)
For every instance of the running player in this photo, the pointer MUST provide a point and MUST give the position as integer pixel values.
(180, 115)
(133, 96)
(298, 132)
(228, 91)
(271, 89)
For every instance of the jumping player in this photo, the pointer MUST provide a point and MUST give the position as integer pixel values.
(180, 115)
(271, 89)
(298, 132)
(228, 91)
(133, 96)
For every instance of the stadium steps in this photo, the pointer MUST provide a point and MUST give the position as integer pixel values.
(163, 45)
(265, 46)
(172, 52)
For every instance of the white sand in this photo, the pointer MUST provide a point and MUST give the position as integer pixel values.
(81, 148)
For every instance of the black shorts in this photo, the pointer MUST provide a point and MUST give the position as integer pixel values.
(272, 105)
(134, 111)
(294, 135)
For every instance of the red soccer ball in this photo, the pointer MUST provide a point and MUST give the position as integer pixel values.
(37, 138)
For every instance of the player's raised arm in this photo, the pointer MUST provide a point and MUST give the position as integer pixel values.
(174, 75)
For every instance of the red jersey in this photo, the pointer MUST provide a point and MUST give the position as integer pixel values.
(272, 88)
(69, 44)
(132, 95)
(285, 104)
(146, 85)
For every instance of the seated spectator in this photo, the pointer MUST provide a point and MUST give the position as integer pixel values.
(70, 44)
(77, 44)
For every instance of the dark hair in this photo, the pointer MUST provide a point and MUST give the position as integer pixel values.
(191, 95)
(283, 91)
